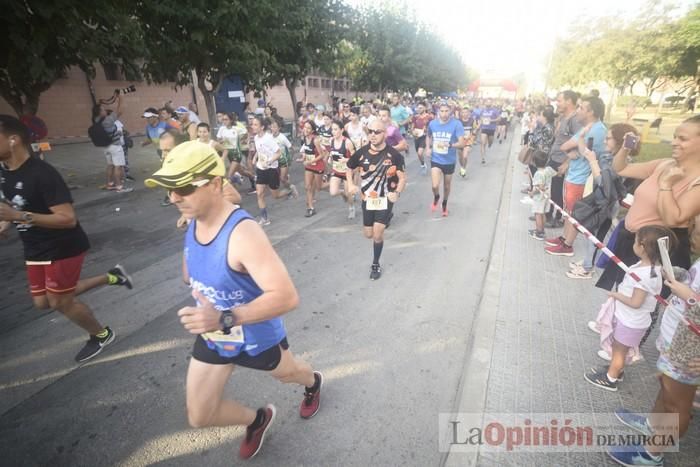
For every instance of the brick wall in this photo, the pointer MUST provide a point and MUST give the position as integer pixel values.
(66, 107)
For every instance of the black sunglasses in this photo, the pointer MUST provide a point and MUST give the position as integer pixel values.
(375, 132)
(189, 189)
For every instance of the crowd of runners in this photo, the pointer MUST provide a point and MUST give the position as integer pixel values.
(357, 151)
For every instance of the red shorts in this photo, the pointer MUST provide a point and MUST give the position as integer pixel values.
(572, 193)
(59, 277)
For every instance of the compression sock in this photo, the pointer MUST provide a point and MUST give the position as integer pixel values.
(378, 246)
(317, 383)
(444, 204)
(263, 213)
(436, 198)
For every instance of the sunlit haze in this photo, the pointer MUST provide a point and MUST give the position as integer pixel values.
(503, 38)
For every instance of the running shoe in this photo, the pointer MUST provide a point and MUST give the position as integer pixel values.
(312, 398)
(263, 221)
(252, 191)
(593, 326)
(310, 212)
(445, 213)
(130, 178)
(123, 189)
(433, 206)
(575, 264)
(634, 421)
(483, 161)
(423, 169)
(376, 272)
(254, 437)
(554, 241)
(579, 274)
(626, 456)
(293, 191)
(599, 377)
(462, 172)
(535, 234)
(560, 250)
(94, 346)
(118, 276)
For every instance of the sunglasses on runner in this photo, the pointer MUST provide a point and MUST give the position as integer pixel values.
(375, 132)
(189, 189)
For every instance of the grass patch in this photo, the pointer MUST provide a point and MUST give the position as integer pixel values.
(652, 151)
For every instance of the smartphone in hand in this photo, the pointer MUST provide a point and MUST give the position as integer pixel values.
(631, 142)
(589, 144)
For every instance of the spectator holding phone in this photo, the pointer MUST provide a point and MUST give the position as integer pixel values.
(668, 195)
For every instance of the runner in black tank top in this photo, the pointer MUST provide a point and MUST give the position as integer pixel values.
(341, 148)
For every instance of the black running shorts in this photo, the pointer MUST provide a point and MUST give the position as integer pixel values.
(419, 142)
(269, 177)
(446, 169)
(488, 132)
(266, 361)
(380, 217)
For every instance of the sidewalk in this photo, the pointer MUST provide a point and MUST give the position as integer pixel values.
(541, 344)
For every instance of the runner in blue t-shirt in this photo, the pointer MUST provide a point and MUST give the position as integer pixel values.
(489, 118)
(445, 136)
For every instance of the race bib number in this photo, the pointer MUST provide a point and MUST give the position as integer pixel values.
(262, 161)
(377, 204)
(309, 157)
(226, 345)
(340, 166)
(441, 147)
(486, 121)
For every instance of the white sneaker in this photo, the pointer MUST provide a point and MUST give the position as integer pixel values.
(294, 191)
(604, 355)
(593, 326)
(575, 264)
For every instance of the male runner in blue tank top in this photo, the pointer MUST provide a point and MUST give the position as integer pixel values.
(241, 288)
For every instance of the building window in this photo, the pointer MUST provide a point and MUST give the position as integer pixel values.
(112, 72)
(326, 83)
(339, 85)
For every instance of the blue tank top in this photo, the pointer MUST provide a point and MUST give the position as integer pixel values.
(209, 272)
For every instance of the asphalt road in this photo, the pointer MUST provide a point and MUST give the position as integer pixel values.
(391, 351)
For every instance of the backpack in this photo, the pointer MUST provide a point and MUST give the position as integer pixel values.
(99, 136)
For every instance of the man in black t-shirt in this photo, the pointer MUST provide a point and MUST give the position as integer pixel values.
(34, 197)
(383, 178)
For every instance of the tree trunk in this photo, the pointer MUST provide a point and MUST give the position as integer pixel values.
(292, 88)
(208, 100)
(611, 103)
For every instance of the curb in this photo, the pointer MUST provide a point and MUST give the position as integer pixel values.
(471, 393)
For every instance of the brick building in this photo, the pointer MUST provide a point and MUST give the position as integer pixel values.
(66, 107)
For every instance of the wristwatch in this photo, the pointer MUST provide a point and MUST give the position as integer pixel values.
(227, 321)
(27, 217)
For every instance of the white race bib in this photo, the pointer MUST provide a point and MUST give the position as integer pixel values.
(418, 132)
(377, 204)
(441, 147)
(309, 157)
(340, 166)
(486, 121)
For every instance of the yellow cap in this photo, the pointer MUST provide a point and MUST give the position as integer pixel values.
(186, 162)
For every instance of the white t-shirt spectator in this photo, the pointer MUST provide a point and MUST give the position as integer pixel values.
(194, 118)
(639, 318)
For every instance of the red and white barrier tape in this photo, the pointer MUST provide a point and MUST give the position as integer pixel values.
(591, 238)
